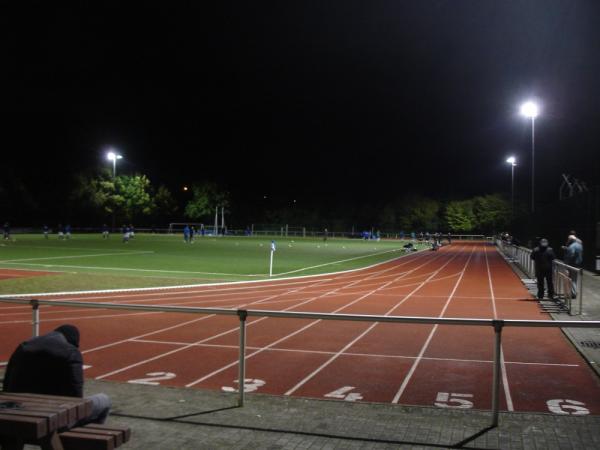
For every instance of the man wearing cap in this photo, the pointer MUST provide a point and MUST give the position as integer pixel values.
(543, 255)
(52, 364)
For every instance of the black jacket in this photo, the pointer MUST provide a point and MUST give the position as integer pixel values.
(46, 364)
(543, 257)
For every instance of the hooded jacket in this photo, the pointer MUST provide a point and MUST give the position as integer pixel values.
(47, 364)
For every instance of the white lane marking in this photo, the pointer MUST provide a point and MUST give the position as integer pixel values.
(430, 337)
(337, 354)
(189, 345)
(106, 316)
(11, 261)
(233, 363)
(509, 402)
(223, 283)
(367, 355)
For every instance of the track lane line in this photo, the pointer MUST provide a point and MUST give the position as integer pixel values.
(364, 333)
(509, 402)
(413, 368)
(232, 364)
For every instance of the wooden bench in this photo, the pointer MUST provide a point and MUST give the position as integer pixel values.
(38, 419)
(95, 437)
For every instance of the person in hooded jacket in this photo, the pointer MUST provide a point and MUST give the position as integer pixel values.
(52, 364)
(543, 255)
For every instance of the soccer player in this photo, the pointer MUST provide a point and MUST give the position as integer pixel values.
(68, 231)
(186, 234)
(105, 232)
(6, 231)
(61, 234)
(45, 231)
(126, 234)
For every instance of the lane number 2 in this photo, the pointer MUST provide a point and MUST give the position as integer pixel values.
(565, 406)
(154, 378)
(453, 400)
(250, 385)
(345, 394)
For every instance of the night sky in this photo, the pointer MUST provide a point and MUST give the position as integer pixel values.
(319, 101)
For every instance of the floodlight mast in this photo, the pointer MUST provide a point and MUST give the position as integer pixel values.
(112, 156)
(530, 110)
(513, 162)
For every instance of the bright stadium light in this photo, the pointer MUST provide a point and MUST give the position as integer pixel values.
(513, 162)
(531, 110)
(112, 156)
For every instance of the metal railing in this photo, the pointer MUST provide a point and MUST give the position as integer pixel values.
(567, 280)
(242, 314)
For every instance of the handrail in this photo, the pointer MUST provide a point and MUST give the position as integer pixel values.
(567, 279)
(243, 314)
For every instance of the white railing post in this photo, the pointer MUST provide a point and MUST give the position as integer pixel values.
(35, 306)
(498, 324)
(580, 289)
(242, 314)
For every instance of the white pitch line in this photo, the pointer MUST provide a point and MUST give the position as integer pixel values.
(222, 283)
(18, 261)
(337, 262)
(339, 353)
(509, 402)
(69, 266)
(430, 337)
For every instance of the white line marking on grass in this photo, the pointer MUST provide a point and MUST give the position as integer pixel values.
(18, 261)
(337, 262)
(430, 337)
(225, 283)
(15, 262)
(509, 402)
(337, 354)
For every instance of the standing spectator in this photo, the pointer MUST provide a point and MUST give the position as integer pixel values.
(574, 258)
(325, 234)
(543, 255)
(6, 231)
(52, 364)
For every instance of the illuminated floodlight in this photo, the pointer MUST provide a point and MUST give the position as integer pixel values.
(112, 156)
(529, 109)
(512, 160)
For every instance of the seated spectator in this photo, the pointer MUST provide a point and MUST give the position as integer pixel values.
(52, 364)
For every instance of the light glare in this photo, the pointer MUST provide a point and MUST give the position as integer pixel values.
(512, 160)
(529, 109)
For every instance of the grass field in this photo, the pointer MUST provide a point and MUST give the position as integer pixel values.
(87, 262)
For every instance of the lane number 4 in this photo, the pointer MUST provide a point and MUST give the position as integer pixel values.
(453, 400)
(345, 394)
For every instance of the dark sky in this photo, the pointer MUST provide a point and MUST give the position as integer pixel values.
(341, 100)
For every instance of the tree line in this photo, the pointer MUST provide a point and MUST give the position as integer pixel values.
(101, 198)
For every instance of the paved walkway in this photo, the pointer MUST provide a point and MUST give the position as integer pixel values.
(174, 418)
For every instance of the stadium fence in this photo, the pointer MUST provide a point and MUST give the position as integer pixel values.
(567, 280)
(242, 314)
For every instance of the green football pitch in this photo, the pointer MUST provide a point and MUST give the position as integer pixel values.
(88, 262)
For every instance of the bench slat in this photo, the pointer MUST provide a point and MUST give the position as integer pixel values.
(116, 435)
(125, 431)
(73, 441)
(26, 427)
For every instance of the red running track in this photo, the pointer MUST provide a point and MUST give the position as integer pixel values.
(443, 366)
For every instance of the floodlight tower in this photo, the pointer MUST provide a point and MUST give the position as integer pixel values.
(112, 156)
(513, 162)
(530, 110)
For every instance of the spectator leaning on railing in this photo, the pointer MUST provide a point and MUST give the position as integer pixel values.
(574, 258)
